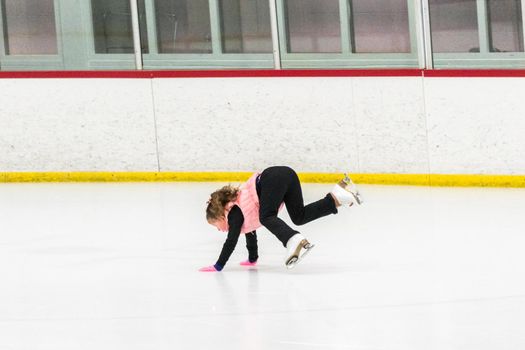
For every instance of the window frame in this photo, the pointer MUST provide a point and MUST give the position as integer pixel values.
(75, 54)
(99, 61)
(30, 62)
(215, 59)
(347, 58)
(72, 54)
(484, 58)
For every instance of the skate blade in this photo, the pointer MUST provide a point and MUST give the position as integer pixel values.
(347, 180)
(290, 264)
(349, 185)
(358, 198)
(294, 260)
(355, 193)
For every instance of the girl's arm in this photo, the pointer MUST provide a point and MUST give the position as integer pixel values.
(235, 221)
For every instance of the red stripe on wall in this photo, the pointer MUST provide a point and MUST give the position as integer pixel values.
(74, 74)
(145, 74)
(290, 73)
(216, 73)
(474, 73)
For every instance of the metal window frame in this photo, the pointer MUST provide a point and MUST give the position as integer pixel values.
(275, 34)
(32, 62)
(214, 60)
(135, 25)
(484, 58)
(424, 38)
(103, 61)
(75, 54)
(347, 58)
(522, 2)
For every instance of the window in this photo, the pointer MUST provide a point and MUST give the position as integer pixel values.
(313, 26)
(113, 33)
(209, 34)
(454, 25)
(183, 26)
(477, 33)
(29, 27)
(347, 33)
(380, 26)
(505, 23)
(215, 34)
(245, 26)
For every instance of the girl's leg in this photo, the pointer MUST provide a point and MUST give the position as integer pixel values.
(281, 184)
(273, 187)
(301, 214)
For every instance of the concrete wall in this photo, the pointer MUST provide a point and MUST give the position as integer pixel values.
(403, 125)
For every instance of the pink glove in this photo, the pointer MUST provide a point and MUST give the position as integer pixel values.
(208, 269)
(248, 263)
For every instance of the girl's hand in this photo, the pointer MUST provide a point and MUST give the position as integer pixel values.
(208, 269)
(248, 263)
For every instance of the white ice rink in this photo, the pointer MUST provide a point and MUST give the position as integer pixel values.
(114, 267)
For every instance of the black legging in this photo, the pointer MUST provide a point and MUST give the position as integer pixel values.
(281, 184)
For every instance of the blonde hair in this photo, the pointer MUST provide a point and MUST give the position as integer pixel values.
(218, 201)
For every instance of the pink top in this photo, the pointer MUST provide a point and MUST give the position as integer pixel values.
(248, 201)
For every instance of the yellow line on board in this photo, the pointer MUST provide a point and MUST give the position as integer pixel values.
(123, 176)
(377, 179)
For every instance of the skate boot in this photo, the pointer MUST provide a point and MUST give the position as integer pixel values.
(346, 192)
(297, 247)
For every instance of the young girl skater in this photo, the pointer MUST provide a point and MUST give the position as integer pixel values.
(257, 202)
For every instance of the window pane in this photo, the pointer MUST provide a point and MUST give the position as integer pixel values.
(183, 26)
(505, 20)
(313, 26)
(112, 26)
(29, 27)
(454, 25)
(380, 26)
(245, 26)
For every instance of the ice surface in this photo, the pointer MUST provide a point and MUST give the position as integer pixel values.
(114, 266)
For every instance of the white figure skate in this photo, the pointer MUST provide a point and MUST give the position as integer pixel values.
(297, 247)
(346, 192)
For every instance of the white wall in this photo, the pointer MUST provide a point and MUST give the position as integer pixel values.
(476, 125)
(315, 124)
(76, 125)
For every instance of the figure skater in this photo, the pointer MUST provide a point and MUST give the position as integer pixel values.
(257, 202)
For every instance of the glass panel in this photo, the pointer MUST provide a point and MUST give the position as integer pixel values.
(313, 26)
(245, 26)
(183, 26)
(112, 26)
(380, 26)
(505, 23)
(454, 25)
(29, 27)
